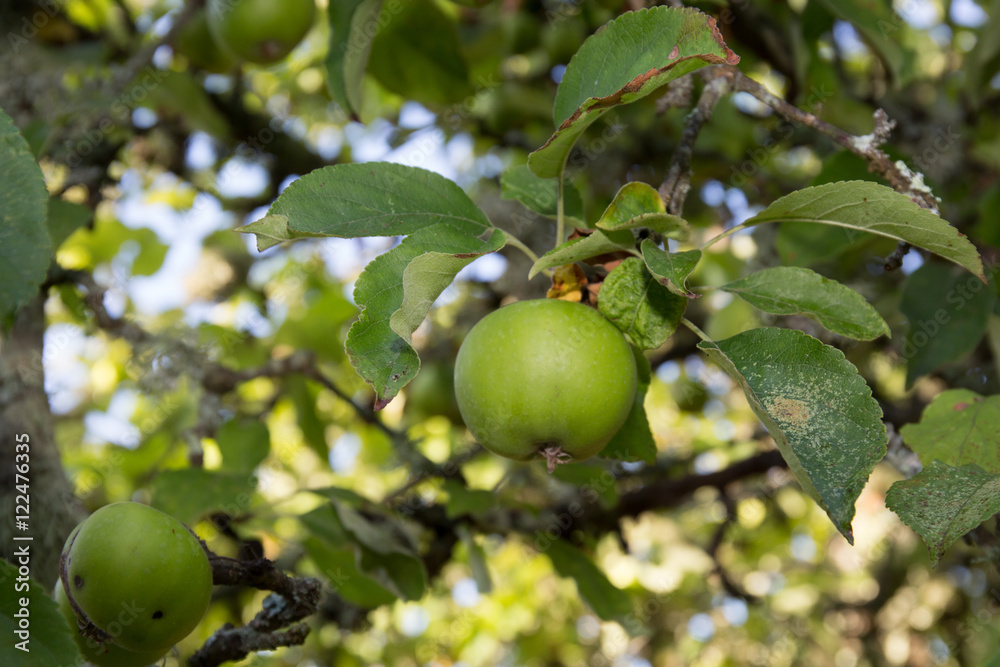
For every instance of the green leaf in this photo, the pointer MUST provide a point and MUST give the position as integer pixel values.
(48, 639)
(879, 24)
(426, 276)
(993, 661)
(243, 443)
(350, 47)
(395, 290)
(540, 194)
(416, 54)
(272, 230)
(303, 394)
(385, 551)
(367, 199)
(584, 247)
(609, 602)
(463, 500)
(634, 440)
(336, 558)
(792, 290)
(104, 242)
(637, 204)
(635, 302)
(626, 60)
(817, 408)
(864, 206)
(181, 96)
(477, 560)
(671, 269)
(64, 218)
(942, 503)
(959, 427)
(380, 354)
(191, 493)
(24, 241)
(948, 312)
(337, 564)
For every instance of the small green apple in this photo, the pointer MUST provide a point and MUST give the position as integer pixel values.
(432, 392)
(102, 655)
(138, 576)
(545, 377)
(196, 43)
(261, 31)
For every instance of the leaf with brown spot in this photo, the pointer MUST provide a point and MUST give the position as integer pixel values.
(817, 408)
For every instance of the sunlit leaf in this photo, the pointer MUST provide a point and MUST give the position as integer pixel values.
(786, 290)
(378, 343)
(636, 205)
(863, 206)
(368, 199)
(584, 247)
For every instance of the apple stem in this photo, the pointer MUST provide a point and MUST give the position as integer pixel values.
(555, 456)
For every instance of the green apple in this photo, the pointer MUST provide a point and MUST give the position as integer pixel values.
(545, 377)
(690, 395)
(136, 576)
(102, 655)
(261, 31)
(196, 43)
(432, 392)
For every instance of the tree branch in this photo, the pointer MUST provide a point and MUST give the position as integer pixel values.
(899, 176)
(671, 492)
(293, 600)
(676, 185)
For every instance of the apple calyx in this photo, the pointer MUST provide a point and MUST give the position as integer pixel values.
(555, 456)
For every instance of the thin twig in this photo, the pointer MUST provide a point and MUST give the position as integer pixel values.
(676, 185)
(294, 599)
(899, 176)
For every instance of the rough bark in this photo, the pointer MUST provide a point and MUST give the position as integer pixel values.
(24, 410)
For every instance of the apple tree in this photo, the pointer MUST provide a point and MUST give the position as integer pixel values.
(425, 332)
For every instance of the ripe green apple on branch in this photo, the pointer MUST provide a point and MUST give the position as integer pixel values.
(133, 581)
(260, 31)
(545, 378)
